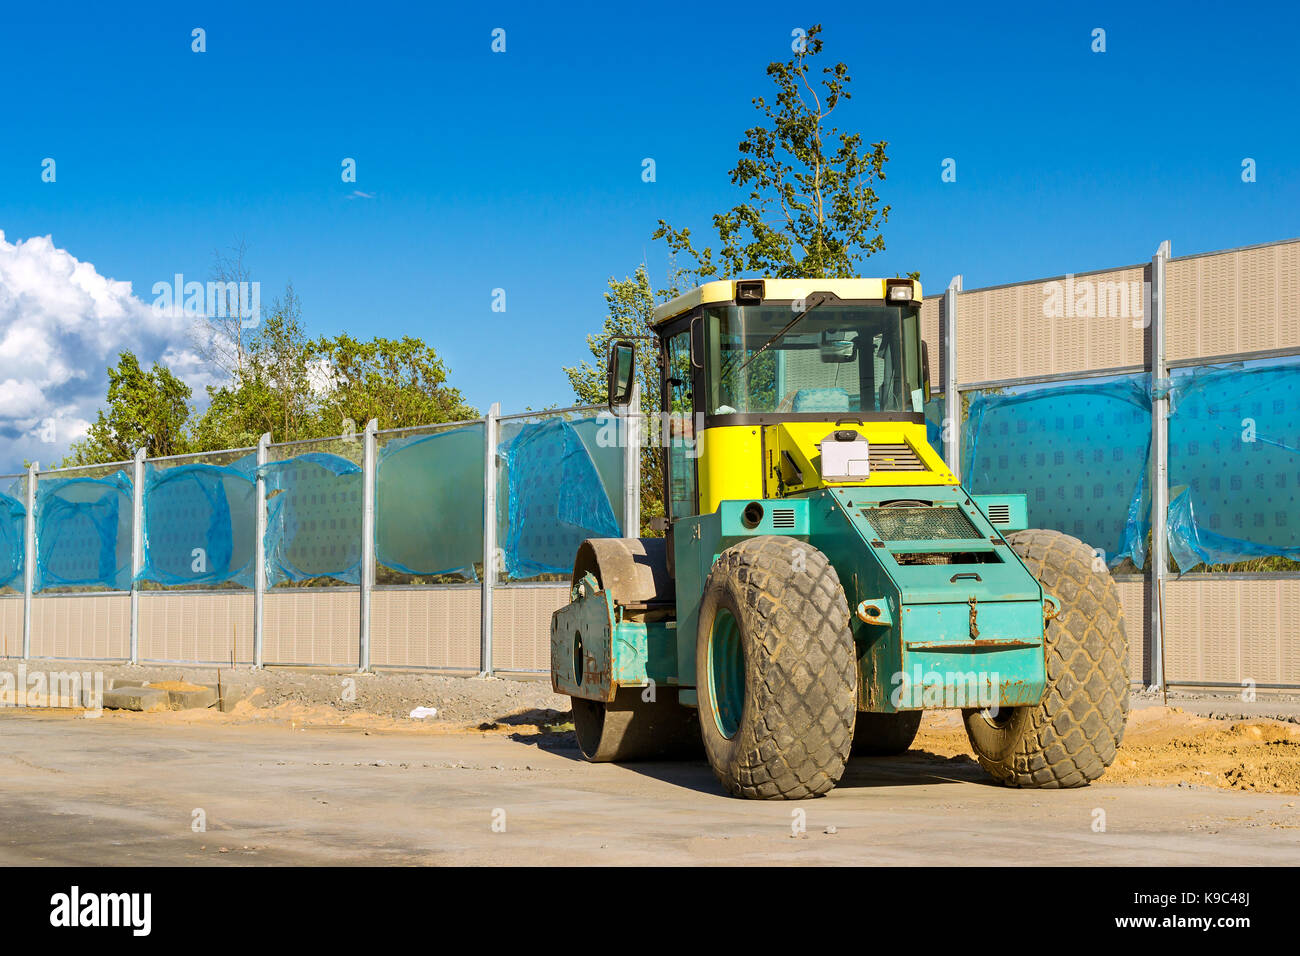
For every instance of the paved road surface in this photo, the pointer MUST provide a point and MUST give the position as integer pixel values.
(90, 792)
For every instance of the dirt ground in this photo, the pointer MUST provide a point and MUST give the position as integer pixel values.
(1166, 745)
(1196, 741)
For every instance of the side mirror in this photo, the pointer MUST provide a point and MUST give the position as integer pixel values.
(925, 369)
(621, 373)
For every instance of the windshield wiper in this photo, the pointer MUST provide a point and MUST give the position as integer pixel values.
(809, 305)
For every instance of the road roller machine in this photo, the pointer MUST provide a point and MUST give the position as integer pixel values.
(823, 578)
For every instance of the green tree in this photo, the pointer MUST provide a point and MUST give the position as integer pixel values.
(811, 209)
(400, 382)
(284, 383)
(235, 416)
(273, 392)
(630, 303)
(147, 410)
(282, 359)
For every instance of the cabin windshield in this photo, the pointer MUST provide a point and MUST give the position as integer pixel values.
(837, 357)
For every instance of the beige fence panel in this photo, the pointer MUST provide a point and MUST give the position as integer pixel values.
(81, 626)
(1015, 331)
(196, 626)
(425, 627)
(1225, 303)
(312, 626)
(11, 626)
(1225, 629)
(1133, 595)
(521, 626)
(931, 322)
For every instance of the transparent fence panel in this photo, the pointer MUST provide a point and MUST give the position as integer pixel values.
(429, 505)
(83, 528)
(199, 520)
(1079, 450)
(313, 511)
(934, 412)
(13, 521)
(1234, 463)
(560, 480)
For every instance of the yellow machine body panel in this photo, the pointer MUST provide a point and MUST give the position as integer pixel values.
(730, 465)
(775, 461)
(724, 290)
(900, 455)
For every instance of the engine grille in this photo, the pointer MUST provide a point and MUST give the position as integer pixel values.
(782, 517)
(894, 457)
(938, 523)
(1000, 514)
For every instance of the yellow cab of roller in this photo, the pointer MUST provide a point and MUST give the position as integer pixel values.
(789, 360)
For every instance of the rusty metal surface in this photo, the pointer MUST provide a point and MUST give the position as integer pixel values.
(984, 643)
(582, 635)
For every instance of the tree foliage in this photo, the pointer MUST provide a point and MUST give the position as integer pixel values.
(147, 410)
(629, 307)
(811, 210)
(284, 383)
(401, 382)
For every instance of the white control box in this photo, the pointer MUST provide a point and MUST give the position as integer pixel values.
(845, 460)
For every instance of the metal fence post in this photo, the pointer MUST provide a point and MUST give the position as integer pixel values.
(259, 548)
(29, 557)
(632, 466)
(952, 400)
(490, 427)
(1160, 464)
(137, 549)
(368, 448)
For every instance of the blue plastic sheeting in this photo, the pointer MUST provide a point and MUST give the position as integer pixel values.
(83, 532)
(313, 518)
(1234, 464)
(557, 495)
(13, 522)
(1079, 451)
(200, 523)
(603, 437)
(429, 503)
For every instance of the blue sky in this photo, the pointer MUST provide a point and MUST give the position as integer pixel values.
(522, 170)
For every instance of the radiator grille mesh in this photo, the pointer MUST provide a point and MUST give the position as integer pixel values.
(920, 524)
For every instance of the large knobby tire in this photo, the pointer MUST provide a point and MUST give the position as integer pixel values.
(1070, 738)
(776, 670)
(885, 735)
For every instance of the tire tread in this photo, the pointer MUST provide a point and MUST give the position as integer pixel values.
(804, 699)
(1073, 735)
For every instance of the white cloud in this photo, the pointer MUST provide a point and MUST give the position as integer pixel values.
(61, 325)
